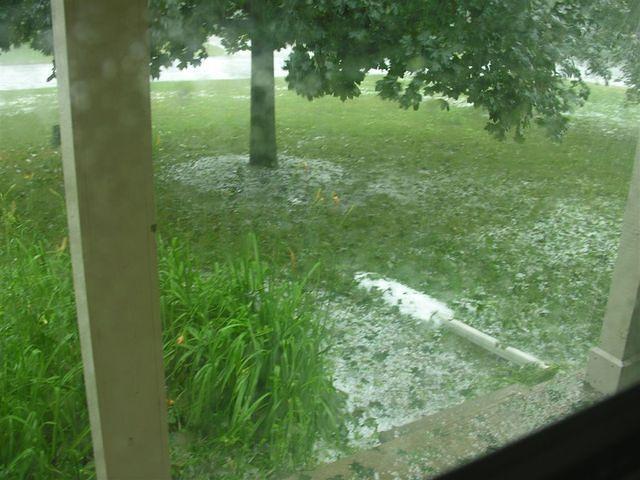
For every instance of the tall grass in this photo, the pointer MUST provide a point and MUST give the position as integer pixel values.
(43, 421)
(246, 366)
(246, 360)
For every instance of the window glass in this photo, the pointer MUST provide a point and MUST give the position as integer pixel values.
(387, 232)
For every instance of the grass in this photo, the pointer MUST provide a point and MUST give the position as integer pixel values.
(215, 50)
(23, 55)
(43, 423)
(247, 370)
(246, 362)
(519, 239)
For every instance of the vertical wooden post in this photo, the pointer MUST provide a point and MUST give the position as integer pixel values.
(102, 62)
(615, 364)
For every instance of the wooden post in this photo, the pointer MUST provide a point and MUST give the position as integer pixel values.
(615, 364)
(102, 62)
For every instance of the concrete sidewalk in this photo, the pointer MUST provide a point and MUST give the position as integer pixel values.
(458, 434)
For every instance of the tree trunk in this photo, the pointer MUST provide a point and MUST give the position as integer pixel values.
(262, 150)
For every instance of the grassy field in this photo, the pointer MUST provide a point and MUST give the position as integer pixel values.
(23, 55)
(518, 239)
(215, 50)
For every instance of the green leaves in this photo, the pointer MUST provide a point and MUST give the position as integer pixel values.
(511, 58)
(608, 39)
(246, 362)
(245, 359)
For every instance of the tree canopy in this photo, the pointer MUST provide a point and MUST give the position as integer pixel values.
(26, 22)
(518, 59)
(610, 41)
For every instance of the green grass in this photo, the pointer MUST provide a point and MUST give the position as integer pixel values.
(43, 423)
(23, 55)
(246, 362)
(247, 370)
(519, 239)
(215, 50)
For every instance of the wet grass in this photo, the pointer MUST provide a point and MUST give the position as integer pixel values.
(246, 360)
(23, 55)
(215, 50)
(44, 428)
(518, 239)
(248, 376)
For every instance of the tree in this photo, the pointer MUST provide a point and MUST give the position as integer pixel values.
(179, 31)
(262, 26)
(517, 59)
(514, 58)
(611, 40)
(26, 22)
